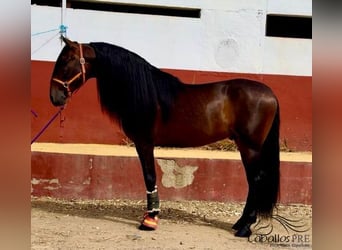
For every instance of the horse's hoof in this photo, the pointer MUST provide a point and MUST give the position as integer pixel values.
(145, 228)
(243, 232)
(238, 225)
(149, 223)
(243, 221)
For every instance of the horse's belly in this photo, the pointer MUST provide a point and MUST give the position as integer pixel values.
(189, 134)
(186, 141)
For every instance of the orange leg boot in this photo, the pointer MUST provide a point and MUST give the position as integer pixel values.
(150, 220)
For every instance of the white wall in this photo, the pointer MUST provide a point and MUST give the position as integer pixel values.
(229, 36)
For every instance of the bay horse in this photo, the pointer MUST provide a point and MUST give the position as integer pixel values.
(155, 108)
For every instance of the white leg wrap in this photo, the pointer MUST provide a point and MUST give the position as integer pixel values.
(153, 201)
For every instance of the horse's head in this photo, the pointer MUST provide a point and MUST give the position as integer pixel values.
(71, 71)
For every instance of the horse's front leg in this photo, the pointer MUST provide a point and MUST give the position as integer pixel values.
(150, 220)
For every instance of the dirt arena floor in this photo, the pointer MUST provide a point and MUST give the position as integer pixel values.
(113, 224)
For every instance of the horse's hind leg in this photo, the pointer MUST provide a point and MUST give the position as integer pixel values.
(250, 159)
(150, 220)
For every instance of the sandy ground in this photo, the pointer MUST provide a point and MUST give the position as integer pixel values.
(112, 224)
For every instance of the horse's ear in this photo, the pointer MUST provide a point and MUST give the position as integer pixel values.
(69, 42)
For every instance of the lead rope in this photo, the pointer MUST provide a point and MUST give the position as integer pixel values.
(47, 124)
(62, 31)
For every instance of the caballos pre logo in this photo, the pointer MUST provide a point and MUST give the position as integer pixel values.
(289, 233)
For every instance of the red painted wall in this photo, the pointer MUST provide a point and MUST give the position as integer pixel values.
(83, 121)
(71, 176)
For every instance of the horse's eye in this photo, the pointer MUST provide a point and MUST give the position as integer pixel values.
(69, 59)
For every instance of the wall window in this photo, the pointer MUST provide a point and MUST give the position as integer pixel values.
(125, 7)
(288, 26)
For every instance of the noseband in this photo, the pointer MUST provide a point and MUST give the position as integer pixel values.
(66, 84)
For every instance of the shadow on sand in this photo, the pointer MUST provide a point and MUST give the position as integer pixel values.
(124, 212)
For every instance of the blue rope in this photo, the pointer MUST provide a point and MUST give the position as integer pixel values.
(46, 42)
(62, 30)
(43, 32)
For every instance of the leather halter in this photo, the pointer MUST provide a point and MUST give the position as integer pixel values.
(66, 84)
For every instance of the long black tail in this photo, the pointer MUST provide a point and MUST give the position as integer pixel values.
(267, 185)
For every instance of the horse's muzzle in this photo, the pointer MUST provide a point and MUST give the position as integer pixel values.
(58, 98)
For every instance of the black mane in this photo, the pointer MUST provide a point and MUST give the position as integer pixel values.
(130, 88)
